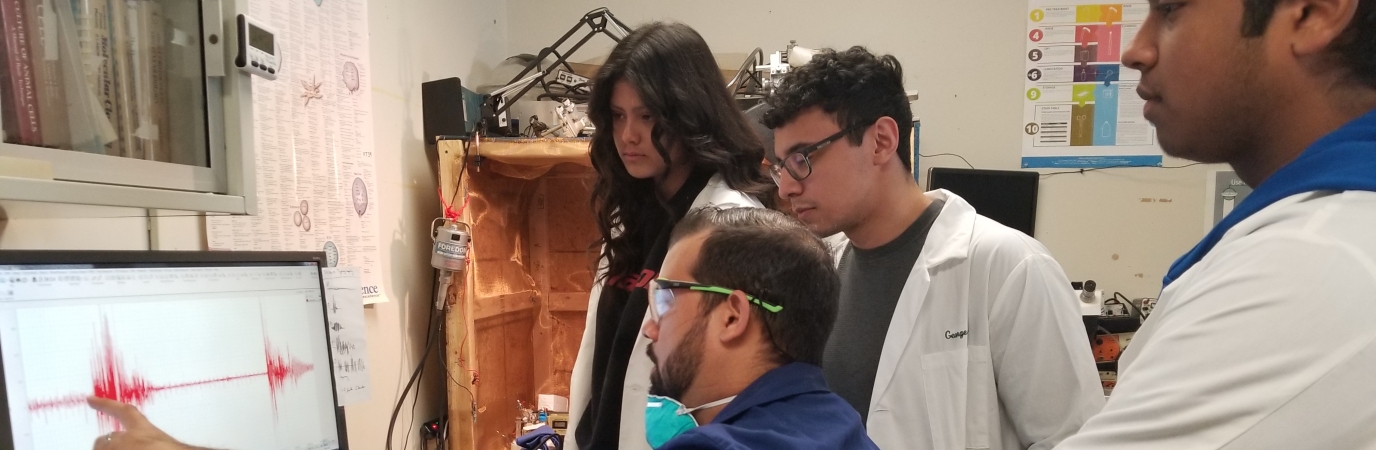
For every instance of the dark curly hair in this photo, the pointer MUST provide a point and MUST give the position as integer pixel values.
(772, 256)
(855, 85)
(678, 80)
(1355, 47)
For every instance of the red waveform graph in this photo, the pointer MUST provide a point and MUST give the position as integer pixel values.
(112, 379)
(282, 368)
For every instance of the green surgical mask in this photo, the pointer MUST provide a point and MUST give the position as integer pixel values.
(666, 418)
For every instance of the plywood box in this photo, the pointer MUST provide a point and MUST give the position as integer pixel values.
(517, 318)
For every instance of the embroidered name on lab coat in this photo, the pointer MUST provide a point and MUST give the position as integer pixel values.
(957, 335)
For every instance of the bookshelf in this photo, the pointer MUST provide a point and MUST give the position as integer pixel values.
(127, 102)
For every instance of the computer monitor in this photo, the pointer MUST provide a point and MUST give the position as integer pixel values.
(1007, 196)
(218, 349)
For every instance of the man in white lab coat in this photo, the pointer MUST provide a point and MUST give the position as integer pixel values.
(954, 331)
(1263, 335)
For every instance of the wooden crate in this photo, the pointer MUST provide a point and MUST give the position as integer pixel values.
(519, 321)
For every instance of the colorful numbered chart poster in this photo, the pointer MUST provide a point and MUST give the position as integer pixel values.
(1080, 106)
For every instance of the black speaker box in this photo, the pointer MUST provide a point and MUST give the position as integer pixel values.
(442, 109)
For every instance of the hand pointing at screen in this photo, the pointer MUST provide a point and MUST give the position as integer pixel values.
(138, 433)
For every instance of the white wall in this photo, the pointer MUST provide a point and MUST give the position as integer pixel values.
(965, 58)
(411, 41)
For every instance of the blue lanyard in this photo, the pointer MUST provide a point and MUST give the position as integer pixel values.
(1344, 160)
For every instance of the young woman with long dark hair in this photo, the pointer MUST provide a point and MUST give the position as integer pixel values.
(669, 139)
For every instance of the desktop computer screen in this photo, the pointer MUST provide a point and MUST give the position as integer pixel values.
(219, 349)
(1009, 197)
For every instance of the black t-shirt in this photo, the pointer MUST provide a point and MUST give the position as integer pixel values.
(620, 313)
(871, 282)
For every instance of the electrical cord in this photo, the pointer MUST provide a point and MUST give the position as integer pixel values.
(575, 89)
(1128, 302)
(473, 397)
(444, 433)
(415, 375)
(962, 158)
(432, 330)
(458, 182)
(420, 381)
(1123, 166)
(444, 326)
(443, 438)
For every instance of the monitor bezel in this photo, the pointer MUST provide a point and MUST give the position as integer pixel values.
(936, 173)
(170, 258)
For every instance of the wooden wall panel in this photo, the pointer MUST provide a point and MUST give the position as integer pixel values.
(505, 373)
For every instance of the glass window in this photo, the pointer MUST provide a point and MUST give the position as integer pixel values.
(119, 78)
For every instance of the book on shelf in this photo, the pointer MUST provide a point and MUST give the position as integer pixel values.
(9, 113)
(97, 54)
(88, 127)
(148, 47)
(44, 47)
(89, 75)
(123, 64)
(20, 99)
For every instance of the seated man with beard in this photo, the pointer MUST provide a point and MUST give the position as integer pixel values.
(738, 323)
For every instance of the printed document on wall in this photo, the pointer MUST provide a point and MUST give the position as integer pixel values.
(313, 142)
(348, 335)
(1080, 104)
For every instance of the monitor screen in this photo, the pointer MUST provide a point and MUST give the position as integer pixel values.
(1008, 197)
(224, 349)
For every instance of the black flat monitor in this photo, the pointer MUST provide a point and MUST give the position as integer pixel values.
(218, 349)
(1007, 196)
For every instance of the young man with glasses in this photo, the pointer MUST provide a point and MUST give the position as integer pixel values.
(953, 331)
(738, 320)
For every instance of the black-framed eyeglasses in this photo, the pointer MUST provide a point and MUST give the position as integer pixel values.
(662, 296)
(799, 162)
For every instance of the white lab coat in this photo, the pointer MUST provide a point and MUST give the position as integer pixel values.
(637, 387)
(986, 348)
(1267, 342)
